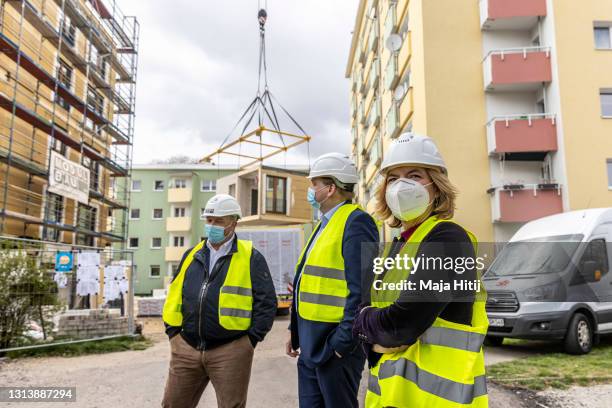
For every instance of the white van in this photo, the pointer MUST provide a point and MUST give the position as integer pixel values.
(552, 281)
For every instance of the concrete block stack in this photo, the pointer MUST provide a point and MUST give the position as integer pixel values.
(89, 323)
(150, 306)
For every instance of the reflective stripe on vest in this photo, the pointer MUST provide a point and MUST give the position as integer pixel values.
(172, 313)
(445, 367)
(235, 297)
(323, 289)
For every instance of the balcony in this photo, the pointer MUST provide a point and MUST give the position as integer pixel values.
(391, 20)
(179, 195)
(406, 108)
(375, 74)
(174, 254)
(404, 54)
(517, 69)
(373, 39)
(178, 224)
(511, 15)
(522, 137)
(370, 134)
(392, 121)
(374, 116)
(525, 202)
(391, 73)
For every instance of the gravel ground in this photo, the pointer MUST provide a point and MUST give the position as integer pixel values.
(135, 379)
(597, 396)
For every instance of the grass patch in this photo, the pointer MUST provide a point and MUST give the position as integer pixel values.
(90, 347)
(556, 370)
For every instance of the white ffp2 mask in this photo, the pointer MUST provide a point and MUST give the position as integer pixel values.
(407, 199)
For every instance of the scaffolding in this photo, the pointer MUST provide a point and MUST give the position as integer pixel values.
(68, 73)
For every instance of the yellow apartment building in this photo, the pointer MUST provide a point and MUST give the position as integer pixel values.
(517, 94)
(67, 98)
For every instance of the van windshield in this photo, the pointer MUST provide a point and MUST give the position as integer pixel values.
(536, 256)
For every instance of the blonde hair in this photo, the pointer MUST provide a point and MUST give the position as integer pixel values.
(443, 204)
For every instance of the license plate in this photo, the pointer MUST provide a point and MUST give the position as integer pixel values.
(496, 322)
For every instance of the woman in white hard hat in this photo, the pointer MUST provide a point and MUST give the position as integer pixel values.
(425, 340)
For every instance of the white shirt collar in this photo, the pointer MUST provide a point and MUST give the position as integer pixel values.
(223, 249)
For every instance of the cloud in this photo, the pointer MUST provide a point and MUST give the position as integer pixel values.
(198, 72)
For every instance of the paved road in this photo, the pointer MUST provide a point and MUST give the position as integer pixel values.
(135, 379)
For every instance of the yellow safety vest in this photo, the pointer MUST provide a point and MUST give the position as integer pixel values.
(235, 297)
(445, 367)
(323, 289)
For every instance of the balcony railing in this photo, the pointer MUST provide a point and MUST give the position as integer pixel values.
(525, 202)
(375, 74)
(392, 121)
(517, 69)
(178, 224)
(391, 74)
(179, 195)
(374, 117)
(511, 15)
(391, 20)
(174, 254)
(522, 136)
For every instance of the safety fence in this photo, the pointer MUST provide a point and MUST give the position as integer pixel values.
(55, 293)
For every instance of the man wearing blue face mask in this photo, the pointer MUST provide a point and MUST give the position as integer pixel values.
(220, 304)
(328, 288)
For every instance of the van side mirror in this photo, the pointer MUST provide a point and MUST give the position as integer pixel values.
(590, 271)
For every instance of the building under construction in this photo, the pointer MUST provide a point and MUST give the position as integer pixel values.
(67, 96)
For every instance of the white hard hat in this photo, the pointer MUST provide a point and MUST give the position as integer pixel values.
(336, 165)
(222, 205)
(412, 149)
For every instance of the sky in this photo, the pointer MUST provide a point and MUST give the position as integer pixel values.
(197, 72)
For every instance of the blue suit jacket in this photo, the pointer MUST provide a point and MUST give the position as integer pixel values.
(317, 341)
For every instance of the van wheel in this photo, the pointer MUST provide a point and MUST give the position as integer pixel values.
(493, 341)
(579, 337)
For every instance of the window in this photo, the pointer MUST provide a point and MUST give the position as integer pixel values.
(68, 30)
(603, 37)
(58, 146)
(94, 172)
(179, 241)
(609, 166)
(99, 62)
(133, 243)
(86, 220)
(276, 194)
(135, 214)
(95, 101)
(158, 213)
(179, 212)
(136, 185)
(154, 271)
(232, 190)
(180, 183)
(606, 103)
(208, 185)
(158, 185)
(64, 76)
(596, 255)
(174, 269)
(55, 212)
(156, 243)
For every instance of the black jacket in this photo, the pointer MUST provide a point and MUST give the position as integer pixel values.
(404, 321)
(201, 328)
(317, 341)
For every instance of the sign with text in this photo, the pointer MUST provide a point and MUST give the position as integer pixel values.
(68, 179)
